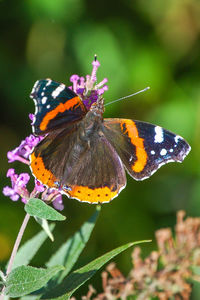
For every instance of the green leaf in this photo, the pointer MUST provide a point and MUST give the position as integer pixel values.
(25, 279)
(38, 208)
(30, 248)
(2, 276)
(77, 278)
(45, 225)
(30, 297)
(68, 253)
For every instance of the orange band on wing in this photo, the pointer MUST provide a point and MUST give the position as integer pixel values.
(132, 132)
(98, 195)
(59, 109)
(40, 172)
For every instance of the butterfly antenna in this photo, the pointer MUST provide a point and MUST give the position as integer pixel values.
(141, 91)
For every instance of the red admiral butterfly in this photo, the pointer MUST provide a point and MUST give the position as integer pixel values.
(84, 155)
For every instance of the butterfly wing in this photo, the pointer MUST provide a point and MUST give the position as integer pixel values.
(144, 147)
(55, 105)
(89, 170)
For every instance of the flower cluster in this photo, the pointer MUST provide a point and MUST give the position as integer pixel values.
(164, 274)
(88, 90)
(22, 152)
(18, 186)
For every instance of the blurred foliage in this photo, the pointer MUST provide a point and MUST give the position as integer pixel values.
(139, 43)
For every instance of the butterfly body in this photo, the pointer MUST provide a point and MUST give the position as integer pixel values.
(84, 155)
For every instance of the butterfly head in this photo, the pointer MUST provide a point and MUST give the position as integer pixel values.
(97, 107)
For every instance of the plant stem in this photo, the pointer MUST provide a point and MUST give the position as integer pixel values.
(17, 242)
(15, 248)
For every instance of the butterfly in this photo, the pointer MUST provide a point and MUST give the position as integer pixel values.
(84, 155)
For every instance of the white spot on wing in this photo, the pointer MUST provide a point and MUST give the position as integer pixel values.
(153, 152)
(163, 152)
(44, 99)
(48, 106)
(49, 81)
(58, 90)
(177, 137)
(158, 138)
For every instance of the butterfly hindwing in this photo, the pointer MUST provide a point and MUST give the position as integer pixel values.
(144, 147)
(55, 105)
(89, 170)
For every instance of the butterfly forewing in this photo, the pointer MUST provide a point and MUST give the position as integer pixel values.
(144, 147)
(55, 105)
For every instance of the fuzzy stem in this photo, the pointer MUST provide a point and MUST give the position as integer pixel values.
(15, 248)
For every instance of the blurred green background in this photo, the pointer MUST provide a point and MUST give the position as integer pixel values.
(139, 43)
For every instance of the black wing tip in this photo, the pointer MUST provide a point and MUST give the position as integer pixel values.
(186, 150)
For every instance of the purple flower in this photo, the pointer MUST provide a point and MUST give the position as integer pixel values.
(58, 203)
(54, 196)
(23, 151)
(87, 89)
(10, 172)
(9, 192)
(18, 186)
(32, 118)
(39, 187)
(22, 180)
